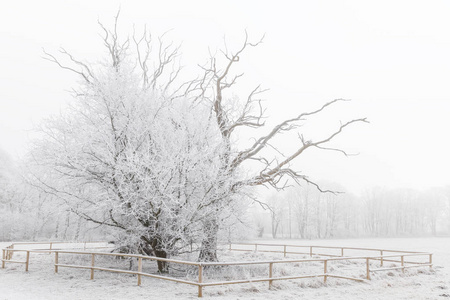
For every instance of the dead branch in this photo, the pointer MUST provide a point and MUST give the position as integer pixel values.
(273, 175)
(221, 84)
(286, 125)
(84, 70)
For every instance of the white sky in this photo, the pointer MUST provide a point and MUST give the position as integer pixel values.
(392, 58)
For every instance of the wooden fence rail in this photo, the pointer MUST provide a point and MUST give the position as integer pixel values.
(398, 257)
(382, 258)
(50, 246)
(310, 248)
(8, 252)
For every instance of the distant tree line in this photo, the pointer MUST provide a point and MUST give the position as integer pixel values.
(29, 214)
(304, 212)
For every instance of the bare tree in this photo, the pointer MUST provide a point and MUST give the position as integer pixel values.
(272, 172)
(275, 206)
(155, 159)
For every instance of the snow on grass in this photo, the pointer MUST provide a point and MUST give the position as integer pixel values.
(42, 283)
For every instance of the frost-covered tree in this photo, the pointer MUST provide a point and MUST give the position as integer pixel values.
(133, 154)
(156, 159)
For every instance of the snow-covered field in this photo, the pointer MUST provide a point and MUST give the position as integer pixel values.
(42, 283)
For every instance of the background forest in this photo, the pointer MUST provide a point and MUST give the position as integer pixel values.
(297, 212)
(379, 212)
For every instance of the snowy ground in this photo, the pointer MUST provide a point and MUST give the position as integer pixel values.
(42, 283)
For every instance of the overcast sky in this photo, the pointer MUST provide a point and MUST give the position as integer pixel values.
(392, 58)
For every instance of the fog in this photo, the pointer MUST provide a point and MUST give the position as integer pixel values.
(389, 58)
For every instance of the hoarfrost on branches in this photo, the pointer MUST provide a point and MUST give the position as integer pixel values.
(154, 159)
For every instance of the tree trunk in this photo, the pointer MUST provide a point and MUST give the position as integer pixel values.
(77, 233)
(163, 267)
(154, 248)
(275, 224)
(208, 251)
(67, 225)
(57, 229)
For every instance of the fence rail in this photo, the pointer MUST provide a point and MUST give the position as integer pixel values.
(400, 254)
(311, 248)
(398, 257)
(8, 252)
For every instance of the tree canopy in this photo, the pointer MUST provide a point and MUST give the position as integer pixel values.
(152, 157)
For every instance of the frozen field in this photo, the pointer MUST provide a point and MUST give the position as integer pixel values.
(42, 283)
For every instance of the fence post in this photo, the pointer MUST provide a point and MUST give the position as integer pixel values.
(51, 244)
(284, 250)
(200, 279)
(9, 252)
(92, 264)
(56, 261)
(325, 271)
(27, 261)
(431, 261)
(403, 264)
(342, 252)
(381, 253)
(367, 269)
(3, 258)
(270, 274)
(310, 251)
(139, 270)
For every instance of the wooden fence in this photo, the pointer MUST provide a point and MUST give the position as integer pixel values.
(52, 244)
(311, 250)
(398, 257)
(8, 252)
